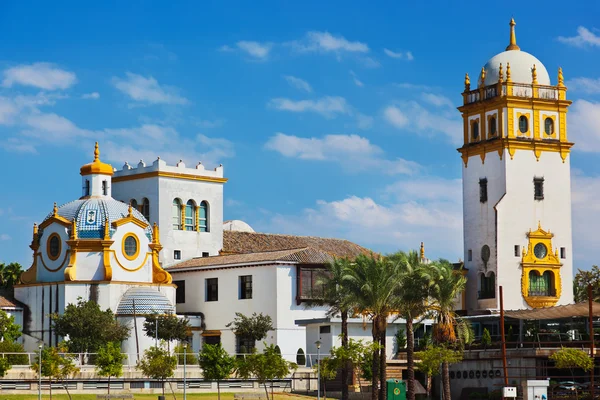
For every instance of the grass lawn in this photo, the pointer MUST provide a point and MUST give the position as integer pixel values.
(60, 395)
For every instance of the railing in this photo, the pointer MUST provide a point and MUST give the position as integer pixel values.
(522, 90)
(486, 294)
(542, 292)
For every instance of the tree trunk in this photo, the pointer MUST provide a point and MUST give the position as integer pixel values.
(67, 389)
(346, 367)
(446, 380)
(375, 363)
(163, 386)
(272, 395)
(410, 359)
(429, 383)
(383, 362)
(219, 390)
(109, 384)
(266, 389)
(50, 380)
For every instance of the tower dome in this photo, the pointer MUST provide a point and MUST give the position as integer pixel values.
(146, 300)
(521, 65)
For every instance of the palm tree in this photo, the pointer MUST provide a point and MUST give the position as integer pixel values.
(9, 274)
(373, 284)
(415, 283)
(448, 285)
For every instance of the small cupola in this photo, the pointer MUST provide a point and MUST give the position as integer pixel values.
(96, 177)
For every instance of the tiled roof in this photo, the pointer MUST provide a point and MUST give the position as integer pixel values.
(235, 242)
(147, 301)
(8, 302)
(302, 256)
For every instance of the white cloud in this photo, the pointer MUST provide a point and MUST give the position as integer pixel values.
(437, 100)
(327, 43)
(147, 90)
(584, 38)
(92, 96)
(586, 217)
(407, 55)
(584, 85)
(353, 152)
(414, 117)
(205, 123)
(257, 50)
(327, 106)
(298, 83)
(584, 125)
(41, 75)
(357, 81)
(395, 116)
(364, 121)
(8, 111)
(4, 236)
(415, 86)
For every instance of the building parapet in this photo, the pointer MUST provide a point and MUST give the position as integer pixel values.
(160, 168)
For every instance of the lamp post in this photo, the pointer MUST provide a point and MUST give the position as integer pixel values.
(156, 332)
(184, 365)
(318, 343)
(40, 372)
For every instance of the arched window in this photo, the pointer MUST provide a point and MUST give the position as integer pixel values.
(176, 214)
(549, 126)
(190, 215)
(523, 124)
(487, 286)
(540, 285)
(87, 187)
(475, 130)
(146, 208)
(492, 127)
(203, 217)
(133, 203)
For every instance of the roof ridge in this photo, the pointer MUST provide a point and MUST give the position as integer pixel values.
(295, 236)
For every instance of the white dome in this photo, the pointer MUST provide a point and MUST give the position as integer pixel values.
(237, 225)
(521, 64)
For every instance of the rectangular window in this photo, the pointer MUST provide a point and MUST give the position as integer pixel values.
(470, 255)
(309, 283)
(325, 329)
(517, 250)
(563, 252)
(245, 284)
(538, 188)
(179, 292)
(483, 195)
(177, 254)
(244, 345)
(205, 254)
(87, 187)
(212, 289)
(105, 188)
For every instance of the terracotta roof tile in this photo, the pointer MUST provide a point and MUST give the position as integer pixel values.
(8, 302)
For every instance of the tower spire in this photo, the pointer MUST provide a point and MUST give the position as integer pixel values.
(513, 38)
(96, 152)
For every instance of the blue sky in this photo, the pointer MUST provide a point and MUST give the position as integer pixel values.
(331, 118)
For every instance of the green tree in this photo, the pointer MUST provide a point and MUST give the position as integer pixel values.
(14, 347)
(327, 369)
(448, 285)
(109, 361)
(170, 327)
(253, 328)
(374, 284)
(216, 364)
(190, 356)
(88, 327)
(431, 360)
(56, 365)
(415, 284)
(265, 366)
(400, 340)
(358, 355)
(10, 274)
(570, 358)
(9, 331)
(158, 363)
(581, 281)
(486, 338)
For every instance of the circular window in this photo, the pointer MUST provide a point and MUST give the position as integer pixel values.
(477, 374)
(451, 374)
(475, 130)
(491, 373)
(540, 250)
(131, 246)
(53, 246)
(484, 373)
(492, 127)
(549, 126)
(523, 124)
(485, 253)
(465, 374)
(471, 374)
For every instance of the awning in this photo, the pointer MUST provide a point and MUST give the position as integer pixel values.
(568, 311)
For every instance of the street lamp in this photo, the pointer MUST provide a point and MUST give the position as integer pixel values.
(184, 365)
(318, 344)
(40, 372)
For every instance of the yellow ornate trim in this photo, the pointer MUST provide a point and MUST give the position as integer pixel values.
(472, 123)
(48, 252)
(70, 271)
(553, 134)
(197, 219)
(536, 124)
(55, 218)
(130, 218)
(130, 269)
(97, 166)
(89, 245)
(528, 116)
(164, 174)
(103, 282)
(61, 264)
(137, 246)
(159, 275)
(489, 124)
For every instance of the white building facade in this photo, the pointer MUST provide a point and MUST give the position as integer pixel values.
(516, 185)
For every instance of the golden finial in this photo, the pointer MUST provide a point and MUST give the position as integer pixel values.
(513, 38)
(130, 211)
(55, 210)
(524, 251)
(556, 252)
(96, 152)
(500, 73)
(106, 229)
(534, 75)
(508, 79)
(422, 251)
(482, 82)
(561, 78)
(155, 234)
(467, 82)
(35, 229)
(74, 229)
(539, 224)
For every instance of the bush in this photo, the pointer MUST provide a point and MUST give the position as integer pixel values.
(300, 357)
(400, 340)
(190, 356)
(486, 338)
(14, 347)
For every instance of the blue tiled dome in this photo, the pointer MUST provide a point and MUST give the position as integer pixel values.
(91, 215)
(147, 301)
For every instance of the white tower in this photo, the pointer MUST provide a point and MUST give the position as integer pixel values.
(187, 204)
(516, 184)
